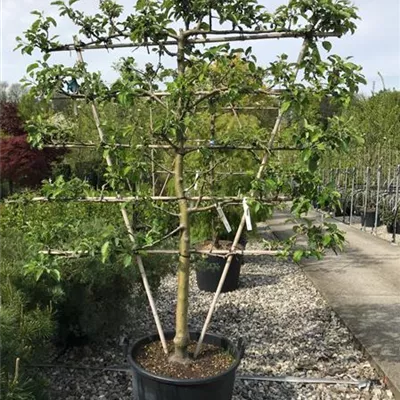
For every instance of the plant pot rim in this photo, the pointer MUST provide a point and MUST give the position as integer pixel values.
(182, 382)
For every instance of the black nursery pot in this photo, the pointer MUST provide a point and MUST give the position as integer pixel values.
(208, 278)
(390, 227)
(369, 219)
(345, 211)
(148, 386)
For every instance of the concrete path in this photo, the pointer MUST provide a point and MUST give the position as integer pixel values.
(363, 286)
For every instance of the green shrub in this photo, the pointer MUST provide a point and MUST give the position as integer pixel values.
(89, 295)
(25, 326)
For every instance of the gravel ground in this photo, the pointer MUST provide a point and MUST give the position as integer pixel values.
(288, 327)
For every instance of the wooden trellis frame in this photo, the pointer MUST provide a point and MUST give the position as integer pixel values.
(240, 36)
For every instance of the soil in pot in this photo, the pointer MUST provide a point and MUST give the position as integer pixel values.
(208, 276)
(216, 367)
(211, 361)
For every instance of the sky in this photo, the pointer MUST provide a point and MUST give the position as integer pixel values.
(375, 45)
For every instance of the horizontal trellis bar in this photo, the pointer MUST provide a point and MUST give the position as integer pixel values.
(237, 108)
(208, 93)
(216, 147)
(234, 37)
(215, 252)
(215, 173)
(130, 199)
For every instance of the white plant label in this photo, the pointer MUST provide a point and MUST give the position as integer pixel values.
(246, 211)
(224, 220)
(196, 179)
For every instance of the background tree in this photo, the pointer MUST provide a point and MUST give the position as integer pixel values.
(22, 165)
(10, 123)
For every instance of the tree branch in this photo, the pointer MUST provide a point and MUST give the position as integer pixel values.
(147, 246)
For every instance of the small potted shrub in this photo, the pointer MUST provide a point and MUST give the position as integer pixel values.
(368, 215)
(391, 218)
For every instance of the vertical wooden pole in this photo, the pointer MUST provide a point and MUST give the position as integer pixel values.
(353, 176)
(367, 186)
(396, 204)
(345, 201)
(153, 176)
(378, 185)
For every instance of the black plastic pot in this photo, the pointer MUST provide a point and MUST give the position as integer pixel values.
(390, 227)
(369, 219)
(208, 278)
(147, 386)
(339, 212)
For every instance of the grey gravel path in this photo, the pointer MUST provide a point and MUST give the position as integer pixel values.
(288, 327)
(362, 284)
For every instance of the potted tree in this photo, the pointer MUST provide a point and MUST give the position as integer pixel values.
(167, 366)
(391, 218)
(368, 215)
(215, 229)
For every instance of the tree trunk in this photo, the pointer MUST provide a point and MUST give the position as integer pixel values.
(181, 339)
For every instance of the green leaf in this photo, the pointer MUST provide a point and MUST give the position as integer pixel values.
(297, 255)
(56, 274)
(326, 240)
(127, 260)
(38, 274)
(52, 20)
(126, 170)
(327, 45)
(285, 106)
(32, 67)
(105, 252)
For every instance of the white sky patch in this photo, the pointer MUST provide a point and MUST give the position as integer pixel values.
(375, 45)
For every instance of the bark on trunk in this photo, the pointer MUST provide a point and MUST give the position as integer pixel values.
(181, 339)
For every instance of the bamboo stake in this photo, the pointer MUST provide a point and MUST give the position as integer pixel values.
(166, 180)
(213, 252)
(153, 176)
(378, 186)
(367, 186)
(216, 173)
(227, 109)
(16, 371)
(130, 199)
(156, 95)
(217, 147)
(396, 204)
(243, 220)
(353, 175)
(346, 197)
(224, 39)
(129, 227)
